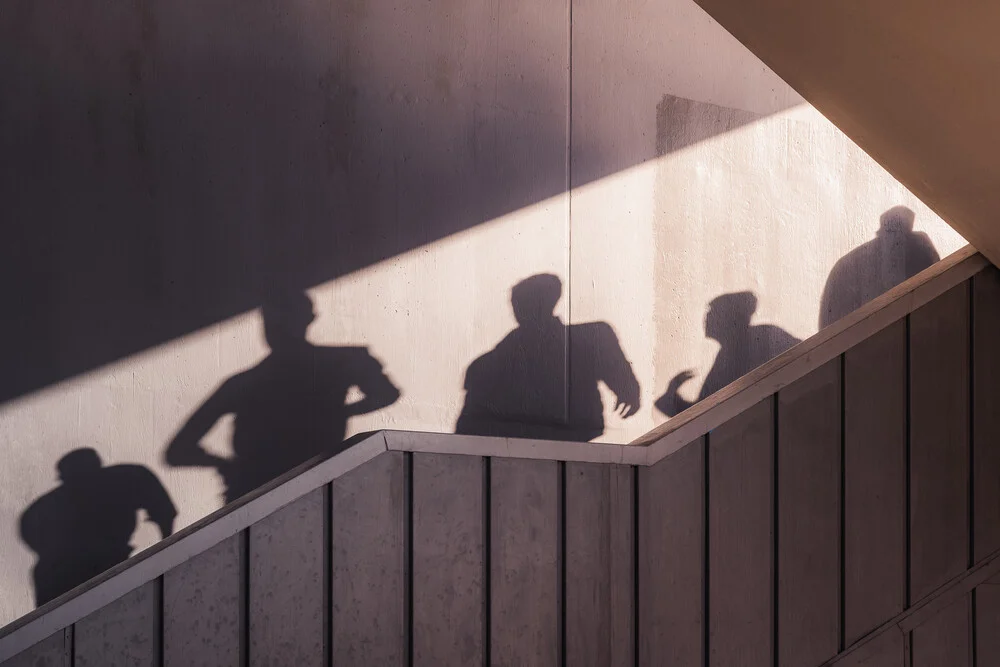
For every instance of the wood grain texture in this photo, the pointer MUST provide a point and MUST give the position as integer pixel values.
(875, 511)
(125, 633)
(369, 537)
(988, 624)
(986, 416)
(945, 639)
(939, 441)
(202, 609)
(524, 566)
(741, 539)
(286, 596)
(809, 461)
(448, 560)
(671, 496)
(599, 565)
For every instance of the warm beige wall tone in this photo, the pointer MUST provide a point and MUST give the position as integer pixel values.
(760, 194)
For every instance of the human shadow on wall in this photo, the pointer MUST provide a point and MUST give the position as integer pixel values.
(542, 380)
(743, 347)
(83, 527)
(288, 408)
(895, 254)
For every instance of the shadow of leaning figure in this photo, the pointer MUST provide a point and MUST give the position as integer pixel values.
(84, 526)
(288, 408)
(743, 347)
(895, 254)
(519, 388)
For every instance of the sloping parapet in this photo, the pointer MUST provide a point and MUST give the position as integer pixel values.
(840, 505)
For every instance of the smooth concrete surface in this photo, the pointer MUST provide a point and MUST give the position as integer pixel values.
(167, 169)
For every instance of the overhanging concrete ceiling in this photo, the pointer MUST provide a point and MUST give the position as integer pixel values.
(915, 83)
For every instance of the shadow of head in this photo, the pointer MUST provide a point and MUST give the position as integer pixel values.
(286, 319)
(80, 465)
(534, 299)
(729, 314)
(897, 220)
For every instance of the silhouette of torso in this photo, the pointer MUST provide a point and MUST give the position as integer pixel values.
(744, 352)
(871, 269)
(519, 388)
(83, 527)
(287, 409)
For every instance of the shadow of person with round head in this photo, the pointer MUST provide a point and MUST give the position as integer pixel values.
(84, 526)
(286, 409)
(895, 254)
(742, 347)
(523, 387)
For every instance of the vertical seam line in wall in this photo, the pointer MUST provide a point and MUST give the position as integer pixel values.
(244, 596)
(568, 357)
(635, 566)
(706, 569)
(328, 573)
(487, 560)
(973, 629)
(408, 551)
(906, 468)
(842, 639)
(562, 562)
(774, 523)
(71, 630)
(972, 424)
(160, 648)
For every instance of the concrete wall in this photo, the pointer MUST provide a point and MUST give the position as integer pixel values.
(168, 168)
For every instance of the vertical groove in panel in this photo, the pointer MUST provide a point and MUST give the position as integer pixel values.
(943, 640)
(599, 627)
(487, 572)
(447, 562)
(635, 566)
(807, 517)
(776, 532)
(286, 594)
(971, 446)
(986, 416)
(202, 619)
(671, 559)
(706, 570)
(369, 562)
(158, 595)
(327, 575)
(525, 563)
(842, 639)
(121, 633)
(408, 550)
(908, 566)
(741, 592)
(563, 566)
(939, 386)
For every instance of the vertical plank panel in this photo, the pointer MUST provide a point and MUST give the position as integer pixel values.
(524, 564)
(53, 651)
(125, 633)
(986, 397)
(671, 496)
(202, 618)
(740, 541)
(286, 585)
(599, 565)
(939, 441)
(988, 623)
(448, 567)
(944, 640)
(875, 512)
(809, 518)
(369, 560)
